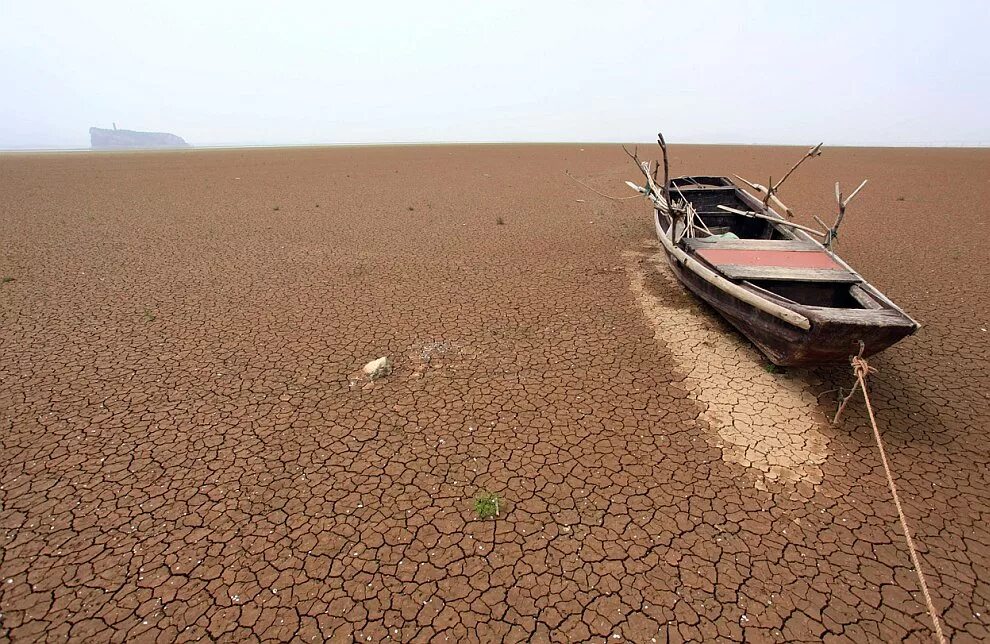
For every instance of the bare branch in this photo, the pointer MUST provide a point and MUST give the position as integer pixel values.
(754, 186)
(854, 193)
(666, 165)
(634, 155)
(771, 191)
(833, 232)
(641, 190)
(782, 222)
(774, 198)
(813, 152)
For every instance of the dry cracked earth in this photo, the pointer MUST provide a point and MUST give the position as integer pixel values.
(184, 455)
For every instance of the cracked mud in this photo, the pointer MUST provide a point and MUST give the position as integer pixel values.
(762, 420)
(183, 455)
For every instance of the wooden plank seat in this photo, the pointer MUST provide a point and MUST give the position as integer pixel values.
(697, 243)
(785, 259)
(743, 272)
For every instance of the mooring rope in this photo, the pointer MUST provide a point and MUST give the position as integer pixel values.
(862, 369)
(602, 194)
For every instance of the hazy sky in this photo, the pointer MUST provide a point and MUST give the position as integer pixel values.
(245, 72)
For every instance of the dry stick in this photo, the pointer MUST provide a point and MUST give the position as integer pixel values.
(666, 165)
(660, 205)
(774, 187)
(775, 220)
(855, 192)
(601, 194)
(697, 221)
(761, 188)
(634, 155)
(833, 231)
(823, 225)
(861, 368)
(651, 184)
(692, 215)
(838, 220)
(662, 199)
(771, 191)
(813, 152)
(666, 185)
(845, 202)
(702, 222)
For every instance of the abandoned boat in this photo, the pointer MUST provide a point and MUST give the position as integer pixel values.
(788, 293)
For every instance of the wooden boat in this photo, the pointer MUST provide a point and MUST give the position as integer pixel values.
(790, 295)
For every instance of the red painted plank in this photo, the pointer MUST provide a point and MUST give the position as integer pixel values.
(781, 258)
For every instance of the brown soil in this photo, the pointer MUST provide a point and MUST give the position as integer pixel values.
(184, 455)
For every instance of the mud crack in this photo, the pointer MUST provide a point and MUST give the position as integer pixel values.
(764, 421)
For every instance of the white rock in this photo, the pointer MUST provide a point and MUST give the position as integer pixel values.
(378, 368)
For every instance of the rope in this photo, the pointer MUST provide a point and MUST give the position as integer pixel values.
(862, 369)
(602, 194)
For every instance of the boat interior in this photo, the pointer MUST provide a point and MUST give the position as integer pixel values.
(706, 194)
(769, 258)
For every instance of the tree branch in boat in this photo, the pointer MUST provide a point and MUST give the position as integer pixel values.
(774, 198)
(833, 231)
(643, 166)
(813, 152)
(674, 215)
(662, 198)
(774, 187)
(771, 191)
(854, 193)
(651, 190)
(691, 217)
(782, 222)
(666, 166)
(634, 155)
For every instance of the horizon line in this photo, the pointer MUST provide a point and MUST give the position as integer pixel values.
(237, 146)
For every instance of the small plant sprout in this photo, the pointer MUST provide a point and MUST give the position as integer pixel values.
(7, 279)
(148, 315)
(486, 505)
(499, 221)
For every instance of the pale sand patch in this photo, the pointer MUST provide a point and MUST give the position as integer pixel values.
(763, 420)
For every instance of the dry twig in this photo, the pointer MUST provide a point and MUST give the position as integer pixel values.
(813, 152)
(776, 220)
(833, 231)
(666, 166)
(644, 167)
(770, 193)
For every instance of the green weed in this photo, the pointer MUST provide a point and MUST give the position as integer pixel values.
(486, 505)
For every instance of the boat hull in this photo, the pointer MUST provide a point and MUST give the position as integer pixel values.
(833, 337)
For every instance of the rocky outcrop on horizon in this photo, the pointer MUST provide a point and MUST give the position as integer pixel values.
(103, 139)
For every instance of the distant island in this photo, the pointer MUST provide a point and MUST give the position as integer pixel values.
(103, 139)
